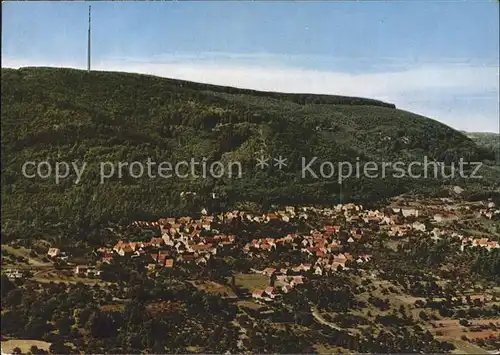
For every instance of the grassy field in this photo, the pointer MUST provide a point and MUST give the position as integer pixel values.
(249, 304)
(251, 281)
(214, 288)
(326, 349)
(24, 344)
(453, 330)
(463, 347)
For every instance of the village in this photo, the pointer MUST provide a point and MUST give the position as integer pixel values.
(327, 248)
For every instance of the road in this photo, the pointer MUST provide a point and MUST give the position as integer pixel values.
(323, 321)
(22, 252)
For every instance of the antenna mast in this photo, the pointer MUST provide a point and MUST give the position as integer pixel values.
(88, 46)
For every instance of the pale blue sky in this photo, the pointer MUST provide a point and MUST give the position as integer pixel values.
(435, 58)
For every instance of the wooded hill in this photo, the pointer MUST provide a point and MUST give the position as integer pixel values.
(70, 115)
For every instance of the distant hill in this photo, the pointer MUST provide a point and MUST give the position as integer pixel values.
(485, 139)
(72, 115)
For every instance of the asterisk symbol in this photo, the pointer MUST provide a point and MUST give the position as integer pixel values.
(262, 162)
(280, 162)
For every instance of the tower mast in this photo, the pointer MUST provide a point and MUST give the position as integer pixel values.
(88, 46)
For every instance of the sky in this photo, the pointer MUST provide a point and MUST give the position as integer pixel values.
(435, 58)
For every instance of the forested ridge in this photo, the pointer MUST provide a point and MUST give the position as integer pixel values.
(70, 115)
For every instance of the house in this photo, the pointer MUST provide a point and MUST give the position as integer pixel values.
(187, 257)
(169, 263)
(318, 270)
(14, 274)
(333, 246)
(81, 270)
(332, 229)
(175, 228)
(270, 291)
(271, 217)
(123, 248)
(107, 259)
(269, 271)
(53, 252)
(438, 218)
(208, 219)
(407, 212)
(492, 245)
(265, 246)
(445, 217)
(91, 271)
(281, 278)
(349, 207)
(184, 220)
(257, 293)
(157, 242)
(339, 260)
(365, 257)
(482, 242)
(200, 248)
(418, 226)
(336, 264)
(387, 220)
(354, 218)
(160, 257)
(348, 256)
(286, 288)
(201, 260)
(320, 253)
(397, 231)
(297, 280)
(458, 190)
(306, 267)
(282, 213)
(164, 229)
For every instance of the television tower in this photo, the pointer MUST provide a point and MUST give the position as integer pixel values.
(88, 46)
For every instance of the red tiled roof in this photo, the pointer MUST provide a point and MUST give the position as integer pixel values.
(169, 263)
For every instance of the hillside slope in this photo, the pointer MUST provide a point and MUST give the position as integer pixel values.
(70, 115)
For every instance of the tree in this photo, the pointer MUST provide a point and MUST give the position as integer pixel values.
(58, 347)
(6, 285)
(63, 325)
(423, 316)
(100, 325)
(36, 351)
